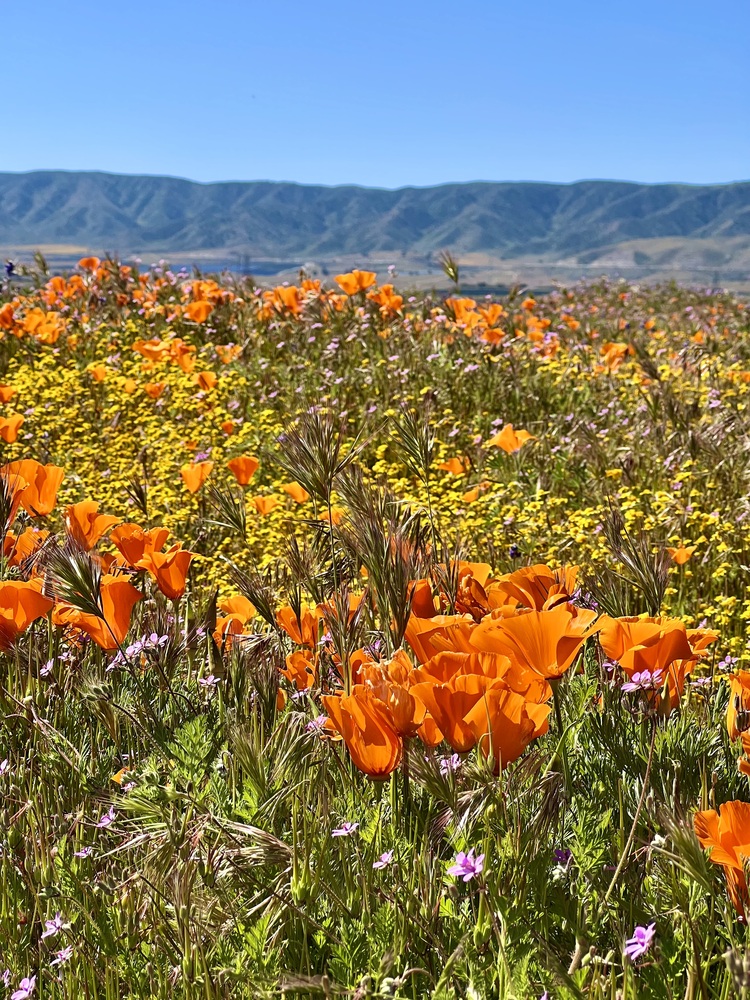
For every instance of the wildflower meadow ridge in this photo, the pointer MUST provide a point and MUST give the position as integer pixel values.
(356, 643)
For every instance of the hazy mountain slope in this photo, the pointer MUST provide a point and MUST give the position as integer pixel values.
(121, 212)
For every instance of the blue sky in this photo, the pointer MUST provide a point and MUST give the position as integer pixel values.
(388, 94)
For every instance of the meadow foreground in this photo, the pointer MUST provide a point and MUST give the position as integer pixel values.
(359, 644)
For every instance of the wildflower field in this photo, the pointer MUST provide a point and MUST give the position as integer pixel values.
(359, 644)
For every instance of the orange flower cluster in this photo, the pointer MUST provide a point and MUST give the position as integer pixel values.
(483, 666)
(30, 486)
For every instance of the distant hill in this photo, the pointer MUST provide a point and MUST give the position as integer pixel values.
(574, 223)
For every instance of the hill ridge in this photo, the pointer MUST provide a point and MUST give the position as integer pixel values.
(508, 219)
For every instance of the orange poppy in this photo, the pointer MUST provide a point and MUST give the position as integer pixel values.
(7, 392)
(85, 525)
(296, 492)
(9, 427)
(355, 281)
(129, 386)
(428, 636)
(456, 466)
(264, 505)
(243, 468)
(239, 606)
(205, 381)
(681, 554)
(653, 644)
(21, 603)
(374, 746)
(301, 669)
(43, 482)
(228, 427)
(302, 630)
(118, 598)
(475, 709)
(198, 312)
(194, 474)
(89, 263)
(18, 548)
(738, 709)
(154, 389)
(169, 569)
(546, 642)
(98, 373)
(727, 835)
(509, 439)
(134, 542)
(538, 586)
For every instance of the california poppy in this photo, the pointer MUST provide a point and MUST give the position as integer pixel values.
(296, 492)
(509, 439)
(85, 525)
(198, 312)
(456, 466)
(43, 482)
(118, 598)
(264, 505)
(16, 549)
(355, 281)
(538, 586)
(89, 263)
(302, 630)
(681, 554)
(9, 427)
(373, 744)
(727, 835)
(473, 709)
(194, 474)
(169, 569)
(652, 644)
(205, 380)
(544, 641)
(7, 392)
(301, 669)
(738, 709)
(243, 468)
(134, 542)
(21, 603)
(154, 389)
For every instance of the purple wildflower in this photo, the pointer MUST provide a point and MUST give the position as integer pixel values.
(208, 682)
(62, 956)
(640, 942)
(52, 926)
(345, 830)
(466, 866)
(25, 989)
(644, 681)
(450, 764)
(83, 853)
(107, 819)
(384, 860)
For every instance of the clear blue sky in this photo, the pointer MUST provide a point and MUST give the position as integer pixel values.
(384, 94)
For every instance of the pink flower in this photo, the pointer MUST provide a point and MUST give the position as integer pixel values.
(25, 989)
(107, 819)
(52, 926)
(466, 866)
(384, 860)
(345, 830)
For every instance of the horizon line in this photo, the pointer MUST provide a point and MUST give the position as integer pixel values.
(372, 187)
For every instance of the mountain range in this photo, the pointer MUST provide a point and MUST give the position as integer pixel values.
(584, 225)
